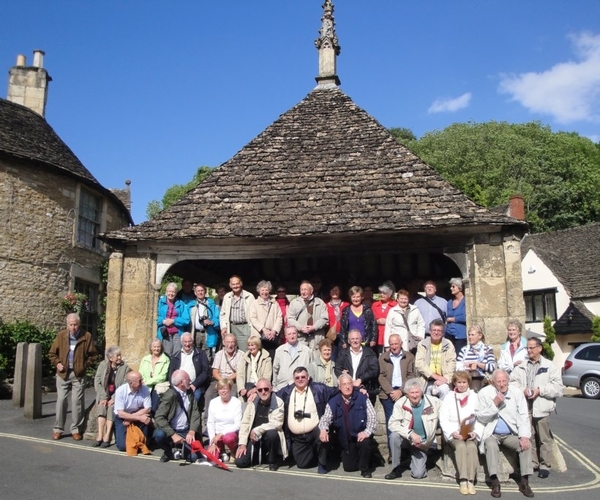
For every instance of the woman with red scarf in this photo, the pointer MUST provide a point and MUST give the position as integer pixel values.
(381, 308)
(335, 306)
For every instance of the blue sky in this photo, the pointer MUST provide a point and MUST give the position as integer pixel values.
(150, 90)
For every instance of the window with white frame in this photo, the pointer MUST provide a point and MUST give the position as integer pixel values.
(90, 213)
(539, 304)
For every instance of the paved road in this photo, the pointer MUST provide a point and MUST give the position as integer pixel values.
(32, 466)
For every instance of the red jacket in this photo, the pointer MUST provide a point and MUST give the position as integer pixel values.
(379, 313)
(331, 314)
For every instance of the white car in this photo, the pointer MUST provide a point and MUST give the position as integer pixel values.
(582, 370)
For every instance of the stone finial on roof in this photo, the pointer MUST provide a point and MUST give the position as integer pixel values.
(328, 47)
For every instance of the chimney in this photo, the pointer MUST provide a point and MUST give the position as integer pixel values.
(124, 194)
(28, 85)
(516, 207)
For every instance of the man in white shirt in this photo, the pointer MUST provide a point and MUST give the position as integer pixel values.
(503, 420)
(132, 407)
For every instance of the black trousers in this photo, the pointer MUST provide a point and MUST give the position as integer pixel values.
(307, 447)
(357, 456)
(268, 445)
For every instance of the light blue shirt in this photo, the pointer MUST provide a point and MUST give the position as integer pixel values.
(129, 401)
(429, 312)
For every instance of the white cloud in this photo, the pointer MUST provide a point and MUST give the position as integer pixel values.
(450, 105)
(568, 91)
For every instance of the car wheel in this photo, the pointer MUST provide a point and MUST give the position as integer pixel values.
(590, 388)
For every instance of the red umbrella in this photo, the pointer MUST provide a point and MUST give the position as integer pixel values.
(197, 447)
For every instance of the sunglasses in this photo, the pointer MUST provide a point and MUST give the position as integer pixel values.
(262, 389)
(300, 377)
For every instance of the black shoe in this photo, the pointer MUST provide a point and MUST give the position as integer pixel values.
(366, 474)
(165, 458)
(525, 489)
(543, 473)
(394, 474)
(273, 467)
(97, 443)
(496, 493)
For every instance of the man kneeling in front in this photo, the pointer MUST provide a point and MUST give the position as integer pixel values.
(353, 417)
(177, 417)
(261, 435)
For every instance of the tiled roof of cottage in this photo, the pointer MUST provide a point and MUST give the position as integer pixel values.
(573, 255)
(324, 166)
(26, 135)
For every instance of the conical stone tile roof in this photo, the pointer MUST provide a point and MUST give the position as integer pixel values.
(323, 167)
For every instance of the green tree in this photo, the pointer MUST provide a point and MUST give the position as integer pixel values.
(23, 331)
(403, 135)
(548, 352)
(557, 173)
(175, 192)
(596, 329)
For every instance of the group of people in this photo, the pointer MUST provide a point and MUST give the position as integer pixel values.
(226, 371)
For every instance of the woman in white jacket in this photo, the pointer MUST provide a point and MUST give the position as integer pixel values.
(514, 351)
(405, 320)
(457, 418)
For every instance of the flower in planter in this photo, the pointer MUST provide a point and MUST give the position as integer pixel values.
(75, 303)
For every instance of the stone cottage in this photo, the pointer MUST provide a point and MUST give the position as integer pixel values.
(325, 190)
(52, 210)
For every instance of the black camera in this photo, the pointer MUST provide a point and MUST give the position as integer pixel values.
(299, 415)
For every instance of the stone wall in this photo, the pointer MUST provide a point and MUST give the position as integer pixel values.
(38, 219)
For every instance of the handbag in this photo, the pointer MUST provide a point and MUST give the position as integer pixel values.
(162, 387)
(332, 333)
(467, 425)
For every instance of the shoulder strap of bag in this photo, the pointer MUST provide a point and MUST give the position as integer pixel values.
(227, 360)
(432, 303)
(300, 312)
(405, 318)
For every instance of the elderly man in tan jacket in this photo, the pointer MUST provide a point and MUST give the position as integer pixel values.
(436, 361)
(261, 435)
(412, 425)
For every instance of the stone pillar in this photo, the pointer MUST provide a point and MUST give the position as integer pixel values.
(18, 395)
(487, 296)
(514, 280)
(131, 304)
(33, 382)
(114, 287)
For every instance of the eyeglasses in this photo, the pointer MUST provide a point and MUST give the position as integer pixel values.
(263, 389)
(300, 377)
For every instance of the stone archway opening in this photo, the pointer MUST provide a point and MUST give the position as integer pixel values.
(405, 270)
